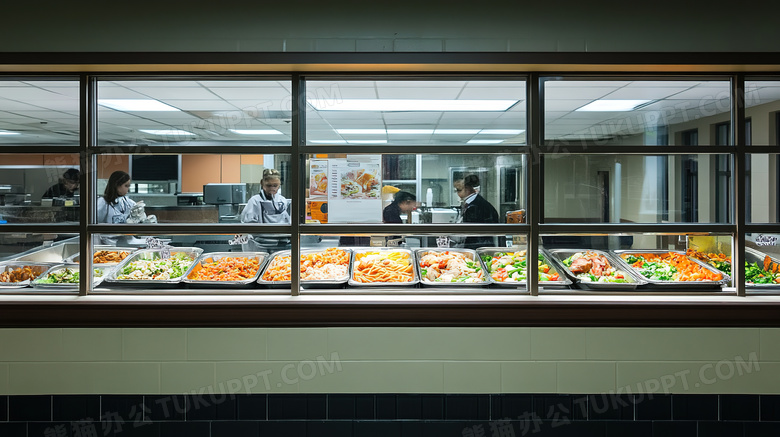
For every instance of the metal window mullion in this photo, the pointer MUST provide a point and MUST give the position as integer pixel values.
(740, 185)
(297, 162)
(87, 113)
(534, 110)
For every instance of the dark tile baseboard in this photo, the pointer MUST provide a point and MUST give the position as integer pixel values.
(390, 415)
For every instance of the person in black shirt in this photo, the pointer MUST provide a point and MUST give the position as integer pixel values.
(69, 183)
(474, 209)
(403, 203)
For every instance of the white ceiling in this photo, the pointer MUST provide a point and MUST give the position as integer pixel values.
(47, 112)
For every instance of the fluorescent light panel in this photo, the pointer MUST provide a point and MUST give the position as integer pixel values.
(484, 141)
(366, 141)
(7, 132)
(410, 105)
(604, 105)
(361, 131)
(327, 141)
(255, 131)
(136, 105)
(167, 132)
(502, 131)
(456, 131)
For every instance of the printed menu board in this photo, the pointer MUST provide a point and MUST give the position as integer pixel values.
(354, 189)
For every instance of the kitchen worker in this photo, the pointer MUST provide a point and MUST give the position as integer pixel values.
(474, 209)
(67, 186)
(268, 206)
(403, 203)
(115, 206)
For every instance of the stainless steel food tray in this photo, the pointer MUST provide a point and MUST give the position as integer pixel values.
(751, 256)
(39, 268)
(77, 256)
(562, 283)
(469, 253)
(261, 257)
(309, 282)
(69, 287)
(415, 277)
(560, 255)
(151, 254)
(56, 253)
(661, 285)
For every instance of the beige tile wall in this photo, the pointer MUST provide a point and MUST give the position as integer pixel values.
(394, 360)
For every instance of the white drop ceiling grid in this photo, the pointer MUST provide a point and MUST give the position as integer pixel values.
(47, 112)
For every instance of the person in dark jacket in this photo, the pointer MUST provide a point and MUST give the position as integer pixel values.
(474, 209)
(69, 183)
(403, 203)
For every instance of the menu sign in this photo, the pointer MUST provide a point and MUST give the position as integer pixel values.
(354, 189)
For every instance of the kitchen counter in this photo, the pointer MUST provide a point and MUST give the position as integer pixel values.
(184, 213)
(39, 214)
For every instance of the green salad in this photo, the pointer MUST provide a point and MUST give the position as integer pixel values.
(755, 274)
(653, 270)
(63, 276)
(158, 269)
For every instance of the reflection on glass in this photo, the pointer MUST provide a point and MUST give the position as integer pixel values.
(378, 188)
(761, 109)
(39, 188)
(763, 187)
(193, 188)
(634, 112)
(186, 112)
(39, 112)
(637, 189)
(762, 262)
(415, 112)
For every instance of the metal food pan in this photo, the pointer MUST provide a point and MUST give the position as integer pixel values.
(56, 253)
(651, 283)
(37, 284)
(261, 258)
(353, 260)
(549, 260)
(151, 254)
(753, 255)
(308, 282)
(469, 253)
(77, 257)
(561, 254)
(37, 268)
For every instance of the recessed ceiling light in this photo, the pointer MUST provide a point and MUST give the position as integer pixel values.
(138, 105)
(366, 141)
(255, 131)
(612, 105)
(410, 105)
(484, 141)
(456, 131)
(361, 131)
(167, 132)
(327, 141)
(7, 132)
(410, 131)
(502, 131)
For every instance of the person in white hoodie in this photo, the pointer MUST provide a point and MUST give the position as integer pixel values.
(268, 206)
(115, 206)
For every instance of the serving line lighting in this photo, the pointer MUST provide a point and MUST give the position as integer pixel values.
(604, 105)
(167, 132)
(256, 131)
(410, 105)
(429, 131)
(136, 105)
(7, 132)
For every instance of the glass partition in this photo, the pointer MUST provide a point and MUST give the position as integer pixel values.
(420, 188)
(39, 188)
(762, 106)
(416, 112)
(43, 112)
(637, 189)
(193, 188)
(27, 259)
(636, 112)
(158, 113)
(763, 188)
